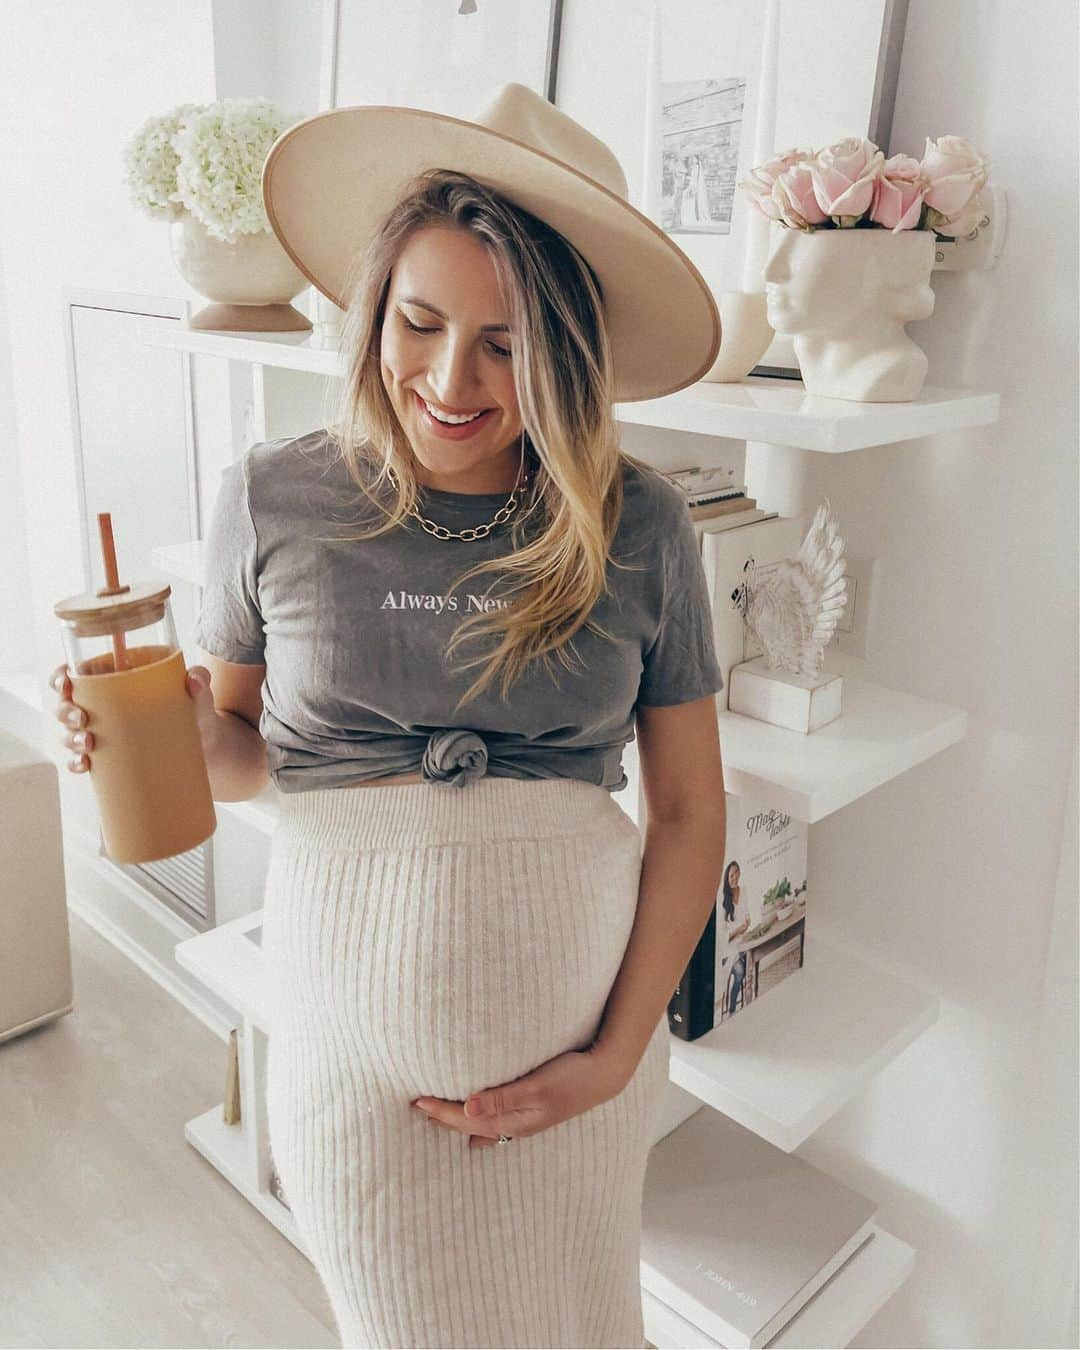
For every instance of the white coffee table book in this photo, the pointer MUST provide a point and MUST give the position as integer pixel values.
(740, 1235)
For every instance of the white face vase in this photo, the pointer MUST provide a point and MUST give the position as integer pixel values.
(843, 296)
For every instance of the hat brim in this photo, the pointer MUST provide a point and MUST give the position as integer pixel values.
(351, 166)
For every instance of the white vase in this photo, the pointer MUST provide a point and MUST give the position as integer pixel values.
(745, 336)
(843, 296)
(251, 280)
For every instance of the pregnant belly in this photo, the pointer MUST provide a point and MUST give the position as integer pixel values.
(452, 966)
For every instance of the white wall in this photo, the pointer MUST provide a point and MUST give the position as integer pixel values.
(962, 871)
(15, 608)
(76, 81)
(955, 871)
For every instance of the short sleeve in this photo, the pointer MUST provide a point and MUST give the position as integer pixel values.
(230, 624)
(681, 664)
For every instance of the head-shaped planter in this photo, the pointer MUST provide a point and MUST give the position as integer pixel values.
(844, 296)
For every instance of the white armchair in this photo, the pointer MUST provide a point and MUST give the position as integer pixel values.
(35, 951)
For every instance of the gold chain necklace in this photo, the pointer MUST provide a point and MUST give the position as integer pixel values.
(475, 531)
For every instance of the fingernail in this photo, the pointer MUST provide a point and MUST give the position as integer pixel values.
(79, 739)
(76, 719)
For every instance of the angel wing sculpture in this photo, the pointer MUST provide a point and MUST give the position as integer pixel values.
(794, 609)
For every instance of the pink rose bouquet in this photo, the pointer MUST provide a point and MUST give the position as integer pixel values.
(852, 185)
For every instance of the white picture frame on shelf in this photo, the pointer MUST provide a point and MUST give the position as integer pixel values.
(728, 84)
(439, 55)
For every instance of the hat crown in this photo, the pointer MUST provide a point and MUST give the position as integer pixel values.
(516, 111)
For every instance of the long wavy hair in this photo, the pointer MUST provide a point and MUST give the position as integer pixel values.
(563, 529)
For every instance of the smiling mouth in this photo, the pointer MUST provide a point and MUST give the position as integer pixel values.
(442, 414)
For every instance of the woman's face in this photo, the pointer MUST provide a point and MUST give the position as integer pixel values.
(444, 283)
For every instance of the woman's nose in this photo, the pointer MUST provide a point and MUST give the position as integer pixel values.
(451, 373)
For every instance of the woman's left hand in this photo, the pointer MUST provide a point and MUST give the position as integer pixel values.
(560, 1088)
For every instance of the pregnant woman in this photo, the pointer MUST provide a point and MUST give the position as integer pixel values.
(434, 625)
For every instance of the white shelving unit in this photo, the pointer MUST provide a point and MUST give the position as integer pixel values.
(790, 1061)
(774, 411)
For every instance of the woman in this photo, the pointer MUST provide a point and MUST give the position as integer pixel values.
(736, 922)
(699, 191)
(470, 956)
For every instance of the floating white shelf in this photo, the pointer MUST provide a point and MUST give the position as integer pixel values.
(290, 351)
(791, 1059)
(880, 734)
(781, 412)
(759, 408)
(834, 1316)
(228, 959)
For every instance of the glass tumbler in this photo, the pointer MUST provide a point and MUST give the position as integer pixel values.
(147, 766)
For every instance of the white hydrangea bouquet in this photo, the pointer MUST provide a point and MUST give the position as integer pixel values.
(199, 166)
(206, 159)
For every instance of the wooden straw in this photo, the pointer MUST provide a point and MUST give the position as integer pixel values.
(112, 585)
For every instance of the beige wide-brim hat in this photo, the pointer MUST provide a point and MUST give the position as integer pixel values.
(330, 180)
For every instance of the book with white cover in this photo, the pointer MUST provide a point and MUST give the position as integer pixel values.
(754, 937)
(724, 554)
(729, 520)
(738, 1235)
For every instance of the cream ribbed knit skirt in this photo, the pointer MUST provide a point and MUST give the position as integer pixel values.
(433, 941)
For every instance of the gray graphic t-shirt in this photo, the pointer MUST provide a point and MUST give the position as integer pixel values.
(353, 632)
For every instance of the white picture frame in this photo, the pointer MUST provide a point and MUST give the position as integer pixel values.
(764, 75)
(437, 55)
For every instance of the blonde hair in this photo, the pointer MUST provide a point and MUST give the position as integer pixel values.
(563, 378)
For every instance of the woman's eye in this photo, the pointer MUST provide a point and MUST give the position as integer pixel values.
(415, 328)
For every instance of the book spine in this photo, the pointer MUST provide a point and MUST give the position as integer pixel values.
(692, 1006)
(705, 498)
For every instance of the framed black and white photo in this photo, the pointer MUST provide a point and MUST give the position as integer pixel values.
(439, 55)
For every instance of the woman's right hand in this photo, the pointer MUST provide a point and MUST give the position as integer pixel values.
(79, 738)
(76, 736)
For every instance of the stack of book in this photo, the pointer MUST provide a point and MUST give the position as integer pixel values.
(737, 1235)
(714, 499)
(734, 533)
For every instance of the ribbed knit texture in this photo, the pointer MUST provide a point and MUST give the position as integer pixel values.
(432, 941)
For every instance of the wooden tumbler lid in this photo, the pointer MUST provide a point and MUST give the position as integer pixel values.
(92, 613)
